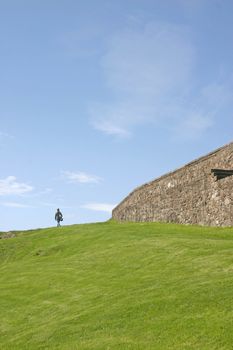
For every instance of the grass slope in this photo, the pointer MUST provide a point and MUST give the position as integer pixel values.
(117, 286)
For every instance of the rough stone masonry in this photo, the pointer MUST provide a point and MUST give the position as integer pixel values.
(200, 193)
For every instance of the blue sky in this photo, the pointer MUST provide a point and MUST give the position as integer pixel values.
(99, 97)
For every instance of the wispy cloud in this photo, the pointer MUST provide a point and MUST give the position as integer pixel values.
(143, 69)
(80, 177)
(39, 193)
(108, 127)
(204, 111)
(5, 134)
(10, 186)
(142, 62)
(150, 73)
(15, 205)
(105, 207)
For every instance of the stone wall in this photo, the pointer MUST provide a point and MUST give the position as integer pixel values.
(189, 195)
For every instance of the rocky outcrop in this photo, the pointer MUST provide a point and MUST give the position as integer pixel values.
(198, 193)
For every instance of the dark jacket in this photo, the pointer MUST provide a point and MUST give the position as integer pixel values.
(58, 216)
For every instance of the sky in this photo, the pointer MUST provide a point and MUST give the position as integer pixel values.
(98, 97)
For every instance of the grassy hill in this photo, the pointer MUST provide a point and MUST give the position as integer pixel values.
(117, 286)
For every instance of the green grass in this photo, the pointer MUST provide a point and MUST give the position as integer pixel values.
(118, 287)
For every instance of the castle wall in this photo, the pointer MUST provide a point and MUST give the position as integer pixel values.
(189, 195)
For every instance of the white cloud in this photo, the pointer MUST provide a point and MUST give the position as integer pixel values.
(80, 177)
(15, 205)
(105, 207)
(5, 137)
(40, 193)
(9, 186)
(109, 128)
(145, 70)
(150, 73)
(5, 134)
(149, 61)
(206, 108)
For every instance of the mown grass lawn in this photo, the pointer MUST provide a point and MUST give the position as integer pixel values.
(117, 286)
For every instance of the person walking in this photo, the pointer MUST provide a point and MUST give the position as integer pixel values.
(58, 217)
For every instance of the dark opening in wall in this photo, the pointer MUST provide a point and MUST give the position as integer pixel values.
(221, 173)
